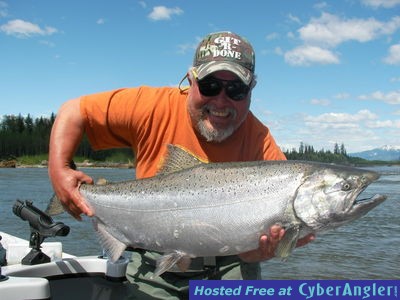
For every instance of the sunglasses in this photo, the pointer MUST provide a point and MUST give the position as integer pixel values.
(210, 86)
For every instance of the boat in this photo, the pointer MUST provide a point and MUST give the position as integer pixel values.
(34, 269)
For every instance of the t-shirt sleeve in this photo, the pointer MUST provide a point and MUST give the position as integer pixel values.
(98, 112)
(116, 119)
(131, 117)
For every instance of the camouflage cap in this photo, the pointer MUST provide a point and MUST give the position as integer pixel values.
(225, 51)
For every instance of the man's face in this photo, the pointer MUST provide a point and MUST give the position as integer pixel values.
(217, 117)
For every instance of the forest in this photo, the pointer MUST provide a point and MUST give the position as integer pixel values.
(22, 136)
(26, 136)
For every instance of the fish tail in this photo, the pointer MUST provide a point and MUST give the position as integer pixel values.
(54, 207)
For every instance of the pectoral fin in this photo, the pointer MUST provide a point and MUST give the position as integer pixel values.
(288, 242)
(167, 261)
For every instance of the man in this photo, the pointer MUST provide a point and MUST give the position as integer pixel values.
(210, 119)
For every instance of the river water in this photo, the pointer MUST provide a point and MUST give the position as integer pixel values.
(368, 248)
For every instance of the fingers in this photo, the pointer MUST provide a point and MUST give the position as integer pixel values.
(76, 206)
(266, 247)
(268, 244)
(305, 240)
(66, 186)
(83, 178)
(276, 232)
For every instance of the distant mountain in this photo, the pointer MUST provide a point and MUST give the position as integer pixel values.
(386, 153)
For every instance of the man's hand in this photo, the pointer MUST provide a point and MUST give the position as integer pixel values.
(268, 244)
(66, 184)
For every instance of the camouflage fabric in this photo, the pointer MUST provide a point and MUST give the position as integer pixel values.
(225, 51)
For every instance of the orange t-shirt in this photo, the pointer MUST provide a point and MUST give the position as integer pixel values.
(147, 119)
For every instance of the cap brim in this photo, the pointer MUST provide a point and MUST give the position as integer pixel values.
(206, 69)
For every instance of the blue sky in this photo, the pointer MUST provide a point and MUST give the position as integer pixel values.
(328, 71)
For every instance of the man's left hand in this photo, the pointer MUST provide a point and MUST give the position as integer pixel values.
(268, 244)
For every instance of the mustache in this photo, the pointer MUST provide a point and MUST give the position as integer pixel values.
(209, 108)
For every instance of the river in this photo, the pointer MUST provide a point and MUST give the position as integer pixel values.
(368, 248)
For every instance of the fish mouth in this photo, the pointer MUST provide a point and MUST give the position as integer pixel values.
(373, 201)
(377, 198)
(363, 205)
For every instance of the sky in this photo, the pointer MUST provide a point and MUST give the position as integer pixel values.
(327, 71)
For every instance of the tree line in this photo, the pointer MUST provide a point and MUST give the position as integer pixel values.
(307, 152)
(27, 136)
(21, 136)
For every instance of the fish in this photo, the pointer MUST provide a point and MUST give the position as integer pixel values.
(196, 209)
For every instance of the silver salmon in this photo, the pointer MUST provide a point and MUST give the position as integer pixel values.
(195, 209)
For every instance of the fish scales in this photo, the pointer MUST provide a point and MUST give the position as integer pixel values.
(195, 209)
(199, 213)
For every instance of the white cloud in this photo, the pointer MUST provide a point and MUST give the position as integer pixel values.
(322, 102)
(272, 36)
(342, 119)
(342, 96)
(22, 29)
(330, 30)
(142, 4)
(100, 21)
(293, 19)
(290, 35)
(278, 51)
(164, 13)
(47, 43)
(320, 5)
(358, 130)
(340, 127)
(395, 79)
(390, 97)
(381, 3)
(384, 124)
(393, 58)
(306, 55)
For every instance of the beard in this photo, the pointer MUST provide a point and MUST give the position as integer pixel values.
(213, 133)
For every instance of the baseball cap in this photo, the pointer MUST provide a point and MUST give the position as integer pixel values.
(226, 51)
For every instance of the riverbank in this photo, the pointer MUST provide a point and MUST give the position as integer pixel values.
(8, 163)
(84, 164)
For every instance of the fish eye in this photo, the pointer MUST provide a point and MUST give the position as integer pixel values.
(346, 186)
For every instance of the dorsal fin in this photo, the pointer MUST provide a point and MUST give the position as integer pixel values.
(177, 159)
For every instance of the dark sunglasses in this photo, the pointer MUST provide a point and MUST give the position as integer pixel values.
(235, 89)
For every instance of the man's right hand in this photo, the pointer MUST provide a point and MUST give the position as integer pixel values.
(66, 183)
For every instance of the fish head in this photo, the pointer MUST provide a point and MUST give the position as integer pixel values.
(328, 197)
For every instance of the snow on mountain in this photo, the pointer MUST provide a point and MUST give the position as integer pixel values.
(390, 148)
(385, 153)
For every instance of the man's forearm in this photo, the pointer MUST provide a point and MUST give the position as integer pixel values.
(66, 135)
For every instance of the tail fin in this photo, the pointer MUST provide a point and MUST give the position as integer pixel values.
(55, 207)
